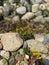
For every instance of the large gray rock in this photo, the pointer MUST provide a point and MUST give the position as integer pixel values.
(3, 62)
(21, 10)
(11, 41)
(36, 45)
(27, 16)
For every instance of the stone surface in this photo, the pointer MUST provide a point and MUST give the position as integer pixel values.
(36, 1)
(5, 54)
(36, 45)
(38, 13)
(24, 63)
(21, 51)
(35, 8)
(15, 19)
(1, 46)
(46, 39)
(46, 19)
(39, 19)
(21, 10)
(6, 9)
(42, 7)
(11, 60)
(1, 35)
(47, 6)
(11, 41)
(39, 37)
(27, 16)
(46, 0)
(46, 60)
(3, 62)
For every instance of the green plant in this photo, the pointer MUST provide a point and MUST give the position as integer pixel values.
(25, 32)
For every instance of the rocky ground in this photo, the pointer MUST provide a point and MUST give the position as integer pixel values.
(24, 32)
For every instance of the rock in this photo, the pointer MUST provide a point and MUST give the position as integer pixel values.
(1, 35)
(39, 37)
(15, 19)
(46, 39)
(46, 19)
(26, 4)
(36, 1)
(21, 10)
(1, 46)
(24, 63)
(36, 45)
(46, 60)
(25, 45)
(6, 9)
(39, 19)
(42, 7)
(1, 13)
(27, 16)
(35, 8)
(46, 0)
(11, 41)
(21, 51)
(47, 6)
(5, 54)
(27, 56)
(38, 13)
(18, 57)
(3, 62)
(11, 60)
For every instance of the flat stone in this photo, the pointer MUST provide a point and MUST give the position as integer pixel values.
(35, 8)
(36, 1)
(11, 60)
(15, 19)
(24, 63)
(46, 60)
(27, 16)
(1, 46)
(39, 37)
(39, 19)
(36, 45)
(46, 39)
(21, 10)
(42, 7)
(46, 0)
(47, 6)
(11, 41)
(5, 54)
(3, 62)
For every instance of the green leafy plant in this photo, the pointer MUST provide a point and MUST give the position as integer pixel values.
(25, 32)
